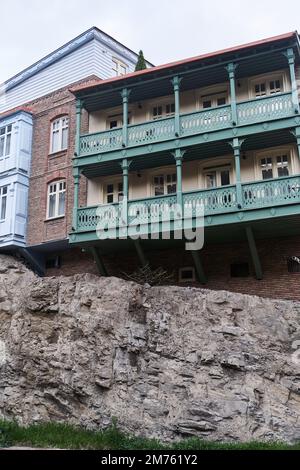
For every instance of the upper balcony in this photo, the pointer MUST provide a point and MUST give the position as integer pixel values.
(266, 109)
(216, 97)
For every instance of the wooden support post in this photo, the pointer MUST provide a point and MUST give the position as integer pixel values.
(254, 253)
(236, 145)
(198, 266)
(178, 155)
(231, 73)
(176, 85)
(296, 134)
(291, 61)
(76, 175)
(125, 98)
(99, 262)
(140, 253)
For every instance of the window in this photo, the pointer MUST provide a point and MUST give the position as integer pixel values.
(118, 68)
(187, 274)
(217, 177)
(293, 264)
(268, 87)
(59, 134)
(114, 192)
(3, 202)
(213, 101)
(5, 140)
(239, 270)
(164, 184)
(276, 166)
(161, 111)
(56, 199)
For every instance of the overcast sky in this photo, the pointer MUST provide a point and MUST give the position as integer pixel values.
(166, 30)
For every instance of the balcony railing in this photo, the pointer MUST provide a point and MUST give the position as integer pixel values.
(255, 195)
(207, 120)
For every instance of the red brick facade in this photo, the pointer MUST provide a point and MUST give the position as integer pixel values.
(47, 167)
(274, 253)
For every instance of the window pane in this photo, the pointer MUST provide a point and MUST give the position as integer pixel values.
(61, 203)
(110, 188)
(55, 141)
(1, 146)
(8, 141)
(110, 198)
(113, 124)
(266, 168)
(221, 101)
(3, 207)
(64, 143)
(207, 104)
(52, 200)
(225, 177)
(211, 180)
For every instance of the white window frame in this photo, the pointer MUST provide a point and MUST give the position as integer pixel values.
(115, 181)
(216, 165)
(59, 131)
(3, 196)
(163, 172)
(118, 67)
(212, 93)
(275, 152)
(57, 192)
(279, 75)
(4, 138)
(187, 268)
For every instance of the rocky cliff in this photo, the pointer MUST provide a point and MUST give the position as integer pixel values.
(165, 361)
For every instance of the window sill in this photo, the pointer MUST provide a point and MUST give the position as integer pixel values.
(59, 153)
(55, 218)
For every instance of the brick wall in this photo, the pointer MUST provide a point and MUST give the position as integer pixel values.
(47, 167)
(216, 259)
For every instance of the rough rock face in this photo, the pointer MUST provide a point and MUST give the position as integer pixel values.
(165, 361)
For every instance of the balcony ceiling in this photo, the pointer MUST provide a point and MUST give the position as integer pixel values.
(194, 75)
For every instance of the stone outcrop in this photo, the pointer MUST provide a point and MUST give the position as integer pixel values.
(167, 362)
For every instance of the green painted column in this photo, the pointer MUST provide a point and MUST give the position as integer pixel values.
(76, 175)
(125, 98)
(291, 60)
(176, 85)
(99, 261)
(296, 134)
(125, 164)
(178, 155)
(79, 105)
(236, 145)
(199, 267)
(231, 73)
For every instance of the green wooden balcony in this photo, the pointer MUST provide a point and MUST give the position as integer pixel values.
(248, 112)
(257, 195)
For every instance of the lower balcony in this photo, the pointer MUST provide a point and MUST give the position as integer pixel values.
(259, 200)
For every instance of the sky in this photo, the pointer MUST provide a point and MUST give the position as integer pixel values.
(165, 30)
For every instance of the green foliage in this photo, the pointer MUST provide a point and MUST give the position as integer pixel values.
(64, 436)
(141, 63)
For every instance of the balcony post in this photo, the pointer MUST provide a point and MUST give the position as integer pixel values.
(291, 60)
(125, 164)
(231, 73)
(76, 175)
(79, 106)
(236, 145)
(125, 97)
(176, 86)
(296, 133)
(178, 155)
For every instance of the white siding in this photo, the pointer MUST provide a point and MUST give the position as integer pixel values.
(92, 58)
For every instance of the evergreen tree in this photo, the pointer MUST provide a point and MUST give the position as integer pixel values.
(141, 63)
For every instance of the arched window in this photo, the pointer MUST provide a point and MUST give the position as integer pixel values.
(59, 134)
(56, 199)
